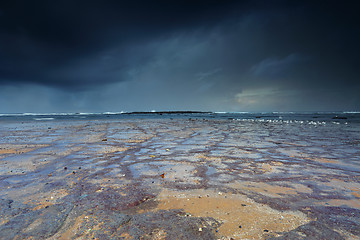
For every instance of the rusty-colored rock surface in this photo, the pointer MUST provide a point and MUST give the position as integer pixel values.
(179, 179)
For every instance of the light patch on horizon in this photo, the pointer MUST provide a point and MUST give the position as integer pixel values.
(264, 98)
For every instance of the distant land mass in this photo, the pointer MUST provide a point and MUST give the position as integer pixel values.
(168, 112)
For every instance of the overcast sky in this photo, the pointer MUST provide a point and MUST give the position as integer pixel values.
(97, 56)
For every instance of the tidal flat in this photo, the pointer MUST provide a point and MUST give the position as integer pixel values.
(179, 179)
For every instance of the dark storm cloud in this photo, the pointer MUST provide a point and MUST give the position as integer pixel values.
(208, 55)
(40, 39)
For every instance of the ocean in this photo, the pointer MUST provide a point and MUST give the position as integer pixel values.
(279, 117)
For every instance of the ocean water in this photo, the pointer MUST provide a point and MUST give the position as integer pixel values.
(278, 117)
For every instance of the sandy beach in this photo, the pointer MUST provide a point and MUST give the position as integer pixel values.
(178, 179)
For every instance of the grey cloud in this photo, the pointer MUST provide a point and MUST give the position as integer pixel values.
(204, 75)
(276, 67)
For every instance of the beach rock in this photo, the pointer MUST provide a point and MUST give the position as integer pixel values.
(312, 230)
(40, 224)
(172, 224)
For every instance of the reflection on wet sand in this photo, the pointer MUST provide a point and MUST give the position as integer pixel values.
(178, 179)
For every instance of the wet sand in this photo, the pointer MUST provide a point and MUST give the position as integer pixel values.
(178, 179)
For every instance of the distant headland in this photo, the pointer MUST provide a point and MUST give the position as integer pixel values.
(170, 112)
